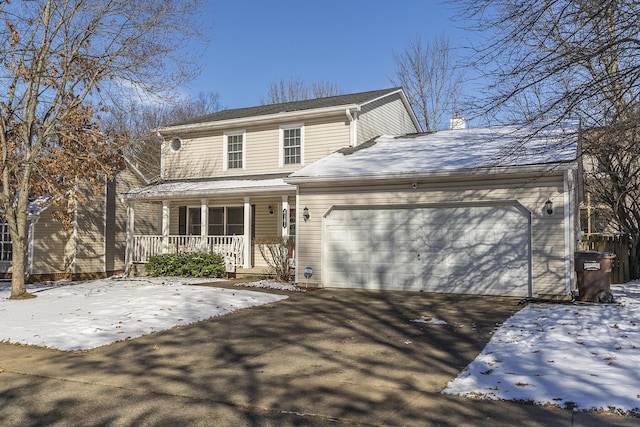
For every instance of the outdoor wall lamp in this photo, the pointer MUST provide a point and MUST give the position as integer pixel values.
(548, 207)
(270, 210)
(284, 218)
(305, 214)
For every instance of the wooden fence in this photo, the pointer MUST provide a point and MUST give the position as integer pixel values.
(617, 244)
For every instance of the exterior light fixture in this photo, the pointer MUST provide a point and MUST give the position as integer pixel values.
(270, 210)
(305, 214)
(284, 218)
(548, 207)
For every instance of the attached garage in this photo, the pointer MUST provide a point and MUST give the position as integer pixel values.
(478, 248)
(487, 211)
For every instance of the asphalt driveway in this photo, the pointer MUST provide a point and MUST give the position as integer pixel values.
(327, 357)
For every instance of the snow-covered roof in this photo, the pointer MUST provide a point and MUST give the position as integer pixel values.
(198, 188)
(452, 150)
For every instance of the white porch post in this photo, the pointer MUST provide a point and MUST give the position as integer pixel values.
(247, 232)
(165, 226)
(285, 216)
(204, 224)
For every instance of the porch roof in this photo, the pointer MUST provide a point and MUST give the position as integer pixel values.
(241, 186)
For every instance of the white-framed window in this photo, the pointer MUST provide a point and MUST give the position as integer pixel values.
(234, 150)
(292, 144)
(223, 221)
(6, 248)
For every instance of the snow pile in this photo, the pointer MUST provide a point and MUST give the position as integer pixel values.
(573, 356)
(272, 284)
(84, 315)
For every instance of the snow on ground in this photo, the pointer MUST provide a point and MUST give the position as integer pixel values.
(272, 284)
(84, 315)
(580, 356)
(575, 356)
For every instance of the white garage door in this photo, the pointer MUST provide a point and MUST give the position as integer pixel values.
(471, 249)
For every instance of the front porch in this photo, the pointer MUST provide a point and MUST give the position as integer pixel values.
(220, 216)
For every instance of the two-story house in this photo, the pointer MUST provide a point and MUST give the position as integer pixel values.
(223, 174)
(371, 201)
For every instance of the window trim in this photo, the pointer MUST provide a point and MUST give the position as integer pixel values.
(225, 149)
(281, 143)
(225, 219)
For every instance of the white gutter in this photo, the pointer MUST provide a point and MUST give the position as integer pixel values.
(297, 115)
(181, 193)
(462, 173)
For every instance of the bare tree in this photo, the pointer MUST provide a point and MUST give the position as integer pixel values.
(298, 90)
(430, 78)
(139, 120)
(61, 61)
(579, 58)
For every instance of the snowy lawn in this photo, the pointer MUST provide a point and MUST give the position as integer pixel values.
(584, 357)
(84, 315)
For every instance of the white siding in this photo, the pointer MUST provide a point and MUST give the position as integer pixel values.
(385, 116)
(548, 245)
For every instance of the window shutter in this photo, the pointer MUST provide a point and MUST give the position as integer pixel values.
(182, 221)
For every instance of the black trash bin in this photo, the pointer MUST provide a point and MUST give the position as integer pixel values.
(593, 273)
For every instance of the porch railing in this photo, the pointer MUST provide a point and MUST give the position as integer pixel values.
(231, 248)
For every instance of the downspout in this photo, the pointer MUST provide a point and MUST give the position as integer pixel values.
(569, 230)
(162, 154)
(33, 219)
(74, 260)
(353, 126)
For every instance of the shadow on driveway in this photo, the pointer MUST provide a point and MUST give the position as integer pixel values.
(325, 357)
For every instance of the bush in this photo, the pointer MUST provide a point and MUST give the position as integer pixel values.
(276, 251)
(186, 265)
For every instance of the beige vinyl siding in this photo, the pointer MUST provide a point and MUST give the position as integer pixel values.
(387, 115)
(50, 239)
(90, 235)
(199, 156)
(548, 246)
(202, 155)
(146, 220)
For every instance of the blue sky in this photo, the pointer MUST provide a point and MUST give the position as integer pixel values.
(350, 43)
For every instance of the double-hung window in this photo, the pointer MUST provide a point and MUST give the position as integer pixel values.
(234, 150)
(291, 144)
(5, 242)
(223, 221)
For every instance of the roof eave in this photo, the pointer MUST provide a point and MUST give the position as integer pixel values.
(289, 115)
(427, 175)
(181, 194)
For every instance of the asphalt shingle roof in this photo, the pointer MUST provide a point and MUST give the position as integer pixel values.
(309, 104)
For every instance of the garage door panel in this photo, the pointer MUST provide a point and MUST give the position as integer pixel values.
(469, 249)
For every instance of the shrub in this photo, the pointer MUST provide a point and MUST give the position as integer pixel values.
(187, 265)
(276, 251)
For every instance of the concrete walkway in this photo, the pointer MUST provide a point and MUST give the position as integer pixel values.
(327, 357)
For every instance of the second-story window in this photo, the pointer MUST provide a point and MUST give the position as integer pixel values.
(292, 146)
(234, 150)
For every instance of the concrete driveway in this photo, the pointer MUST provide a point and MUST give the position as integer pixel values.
(327, 357)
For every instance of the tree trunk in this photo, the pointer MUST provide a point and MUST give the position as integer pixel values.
(18, 290)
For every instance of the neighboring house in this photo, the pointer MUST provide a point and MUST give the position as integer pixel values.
(456, 211)
(95, 244)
